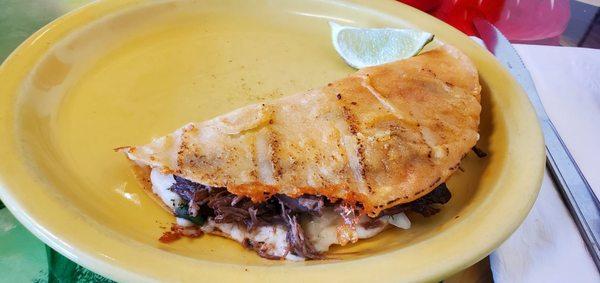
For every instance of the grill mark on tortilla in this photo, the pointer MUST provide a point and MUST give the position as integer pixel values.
(454, 167)
(254, 170)
(435, 182)
(343, 154)
(263, 158)
(422, 136)
(273, 142)
(352, 122)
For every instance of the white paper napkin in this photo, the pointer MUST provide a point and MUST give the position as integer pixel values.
(548, 247)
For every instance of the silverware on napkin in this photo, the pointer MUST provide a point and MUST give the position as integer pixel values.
(576, 191)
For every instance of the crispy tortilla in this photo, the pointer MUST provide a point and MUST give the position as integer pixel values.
(383, 136)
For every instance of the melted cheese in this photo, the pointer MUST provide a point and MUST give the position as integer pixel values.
(322, 231)
(184, 222)
(160, 186)
(273, 238)
(399, 220)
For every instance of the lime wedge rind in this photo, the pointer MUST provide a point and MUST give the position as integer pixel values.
(365, 47)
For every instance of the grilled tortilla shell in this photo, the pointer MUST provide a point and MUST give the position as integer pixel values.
(383, 136)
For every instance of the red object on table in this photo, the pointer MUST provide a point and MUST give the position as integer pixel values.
(424, 5)
(460, 13)
(521, 20)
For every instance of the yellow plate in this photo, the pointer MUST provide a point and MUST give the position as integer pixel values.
(121, 72)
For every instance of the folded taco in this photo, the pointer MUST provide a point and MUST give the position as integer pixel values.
(288, 178)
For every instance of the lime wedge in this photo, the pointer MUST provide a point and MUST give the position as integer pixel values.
(365, 47)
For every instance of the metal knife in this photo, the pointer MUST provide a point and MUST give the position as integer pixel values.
(576, 191)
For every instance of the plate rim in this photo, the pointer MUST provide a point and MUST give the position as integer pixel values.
(88, 256)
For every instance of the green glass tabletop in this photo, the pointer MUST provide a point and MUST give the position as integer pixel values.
(24, 258)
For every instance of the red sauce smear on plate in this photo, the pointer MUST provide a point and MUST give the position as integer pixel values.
(177, 232)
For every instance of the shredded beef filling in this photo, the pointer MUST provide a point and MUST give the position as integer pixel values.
(424, 205)
(480, 153)
(205, 202)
